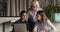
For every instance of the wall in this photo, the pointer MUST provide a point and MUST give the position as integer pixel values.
(1, 28)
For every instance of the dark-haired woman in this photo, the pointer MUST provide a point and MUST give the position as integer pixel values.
(41, 23)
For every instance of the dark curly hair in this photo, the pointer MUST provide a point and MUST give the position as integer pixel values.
(23, 11)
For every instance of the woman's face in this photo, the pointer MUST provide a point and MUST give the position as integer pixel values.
(38, 17)
(24, 16)
(34, 6)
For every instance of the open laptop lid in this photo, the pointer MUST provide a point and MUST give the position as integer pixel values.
(20, 27)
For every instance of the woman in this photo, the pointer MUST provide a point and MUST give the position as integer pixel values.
(32, 11)
(41, 23)
(23, 18)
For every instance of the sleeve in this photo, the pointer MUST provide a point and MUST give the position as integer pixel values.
(53, 29)
(35, 28)
(27, 25)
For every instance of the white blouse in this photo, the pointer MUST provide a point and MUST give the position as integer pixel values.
(48, 27)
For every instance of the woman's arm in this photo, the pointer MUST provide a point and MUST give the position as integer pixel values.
(51, 25)
(35, 28)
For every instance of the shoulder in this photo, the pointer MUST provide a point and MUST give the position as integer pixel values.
(17, 21)
(28, 9)
(48, 21)
(39, 9)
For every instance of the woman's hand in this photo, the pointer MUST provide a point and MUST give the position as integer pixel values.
(42, 31)
(27, 30)
(34, 31)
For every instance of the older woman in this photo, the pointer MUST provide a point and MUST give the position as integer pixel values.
(33, 9)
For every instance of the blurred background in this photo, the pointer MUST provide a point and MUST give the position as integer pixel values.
(10, 9)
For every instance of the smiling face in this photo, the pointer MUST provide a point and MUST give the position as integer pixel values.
(24, 16)
(35, 5)
(38, 17)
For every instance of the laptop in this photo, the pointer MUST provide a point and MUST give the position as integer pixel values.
(20, 28)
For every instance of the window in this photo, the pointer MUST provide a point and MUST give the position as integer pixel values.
(57, 17)
(3, 8)
(58, 2)
(12, 7)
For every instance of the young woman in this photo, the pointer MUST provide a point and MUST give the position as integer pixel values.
(23, 17)
(41, 23)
